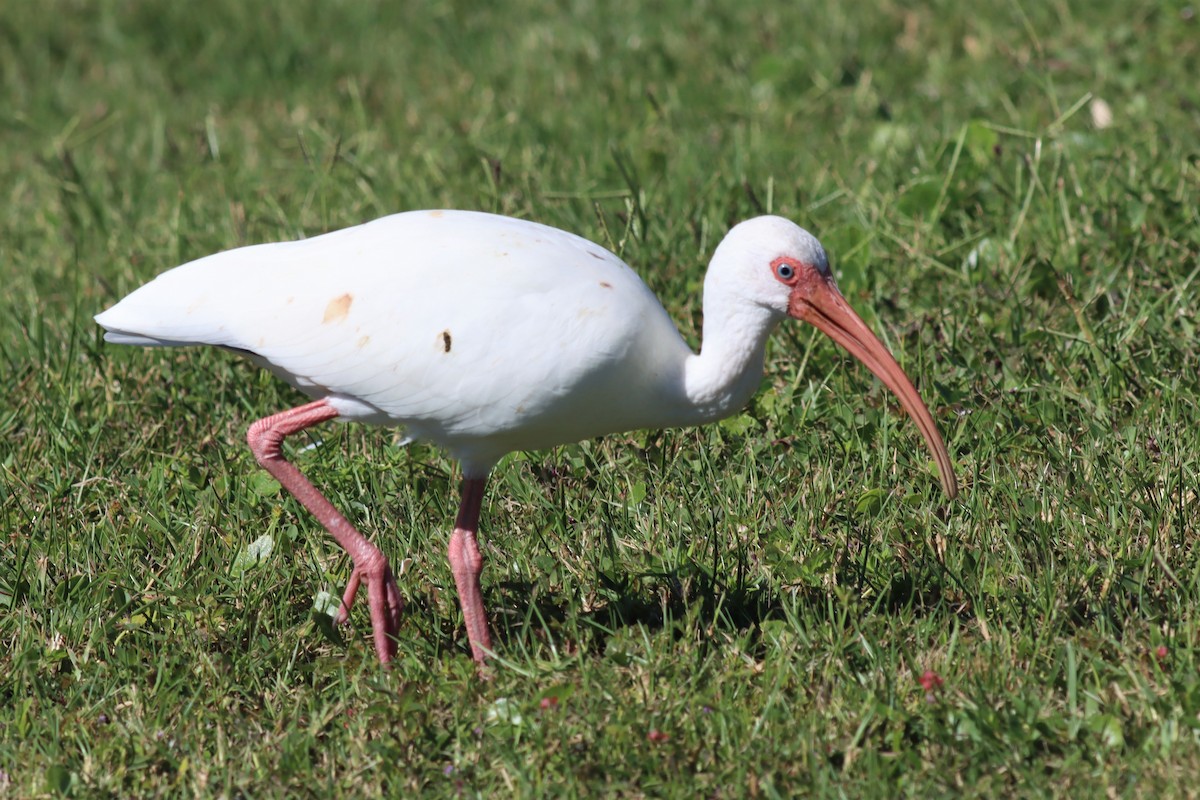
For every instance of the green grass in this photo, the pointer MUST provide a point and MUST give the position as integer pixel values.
(744, 610)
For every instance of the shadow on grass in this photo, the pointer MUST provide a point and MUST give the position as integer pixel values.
(691, 604)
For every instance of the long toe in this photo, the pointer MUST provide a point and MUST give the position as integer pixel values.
(395, 604)
(343, 612)
(385, 602)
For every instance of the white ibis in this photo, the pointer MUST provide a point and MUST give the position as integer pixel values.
(486, 334)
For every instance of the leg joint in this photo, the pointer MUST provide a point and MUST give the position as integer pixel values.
(265, 440)
(464, 553)
(266, 436)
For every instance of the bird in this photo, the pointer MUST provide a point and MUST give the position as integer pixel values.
(486, 334)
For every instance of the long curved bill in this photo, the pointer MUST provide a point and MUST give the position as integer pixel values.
(817, 301)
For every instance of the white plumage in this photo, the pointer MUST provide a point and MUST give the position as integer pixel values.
(487, 334)
(476, 331)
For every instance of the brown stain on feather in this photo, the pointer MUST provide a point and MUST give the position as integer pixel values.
(338, 308)
(446, 341)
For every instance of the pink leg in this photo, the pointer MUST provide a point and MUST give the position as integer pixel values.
(466, 562)
(266, 437)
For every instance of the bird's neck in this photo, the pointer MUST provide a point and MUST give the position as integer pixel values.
(727, 371)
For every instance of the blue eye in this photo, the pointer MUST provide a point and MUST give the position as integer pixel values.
(787, 269)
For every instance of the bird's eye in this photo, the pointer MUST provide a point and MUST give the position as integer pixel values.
(785, 269)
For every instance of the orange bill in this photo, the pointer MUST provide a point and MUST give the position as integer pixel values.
(817, 301)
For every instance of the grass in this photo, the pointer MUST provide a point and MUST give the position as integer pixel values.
(745, 610)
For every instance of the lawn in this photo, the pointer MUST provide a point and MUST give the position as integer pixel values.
(783, 604)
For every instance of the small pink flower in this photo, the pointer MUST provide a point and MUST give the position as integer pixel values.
(656, 735)
(1161, 652)
(549, 703)
(931, 683)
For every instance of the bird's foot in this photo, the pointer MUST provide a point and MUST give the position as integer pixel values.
(383, 597)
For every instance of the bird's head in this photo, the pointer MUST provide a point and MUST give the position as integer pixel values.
(775, 264)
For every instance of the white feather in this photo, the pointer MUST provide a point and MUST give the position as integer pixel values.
(476, 331)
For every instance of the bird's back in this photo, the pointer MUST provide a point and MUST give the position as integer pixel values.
(480, 332)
